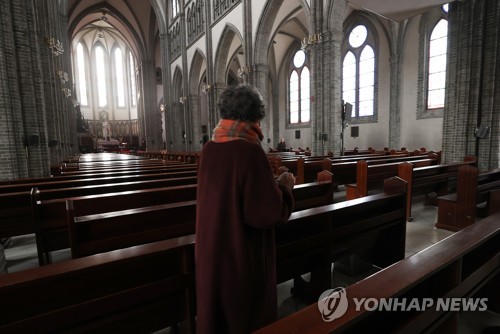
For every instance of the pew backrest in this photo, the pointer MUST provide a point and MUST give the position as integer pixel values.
(50, 221)
(50, 214)
(98, 233)
(140, 289)
(455, 267)
(458, 210)
(322, 234)
(437, 178)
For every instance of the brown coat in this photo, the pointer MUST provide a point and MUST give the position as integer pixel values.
(238, 205)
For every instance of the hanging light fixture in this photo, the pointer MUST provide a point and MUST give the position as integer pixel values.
(103, 17)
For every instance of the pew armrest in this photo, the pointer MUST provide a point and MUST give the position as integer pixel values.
(351, 191)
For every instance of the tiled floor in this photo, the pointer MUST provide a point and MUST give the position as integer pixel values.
(421, 234)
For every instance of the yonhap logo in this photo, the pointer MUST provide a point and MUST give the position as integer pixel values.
(332, 304)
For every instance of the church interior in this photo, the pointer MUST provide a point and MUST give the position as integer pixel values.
(105, 88)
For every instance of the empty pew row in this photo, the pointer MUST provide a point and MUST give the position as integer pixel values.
(9, 185)
(108, 169)
(466, 264)
(90, 181)
(99, 158)
(423, 177)
(82, 165)
(326, 232)
(437, 180)
(151, 285)
(371, 177)
(345, 172)
(16, 215)
(372, 227)
(294, 164)
(15, 204)
(103, 232)
(343, 169)
(191, 157)
(459, 209)
(134, 290)
(51, 218)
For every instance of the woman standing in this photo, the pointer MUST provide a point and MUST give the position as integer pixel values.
(238, 205)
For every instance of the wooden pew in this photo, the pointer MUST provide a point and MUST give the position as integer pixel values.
(103, 159)
(305, 169)
(103, 232)
(51, 229)
(16, 216)
(463, 265)
(120, 167)
(296, 165)
(65, 289)
(97, 174)
(458, 210)
(372, 227)
(55, 183)
(15, 203)
(135, 290)
(370, 177)
(310, 195)
(344, 171)
(438, 179)
(125, 170)
(357, 151)
(50, 215)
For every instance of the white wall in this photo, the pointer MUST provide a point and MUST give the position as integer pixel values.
(415, 133)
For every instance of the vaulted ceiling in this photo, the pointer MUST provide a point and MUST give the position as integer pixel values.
(397, 10)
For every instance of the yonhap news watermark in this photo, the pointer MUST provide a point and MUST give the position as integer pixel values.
(333, 304)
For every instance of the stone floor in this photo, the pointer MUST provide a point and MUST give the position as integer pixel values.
(421, 234)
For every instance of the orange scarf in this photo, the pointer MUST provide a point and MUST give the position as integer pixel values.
(228, 130)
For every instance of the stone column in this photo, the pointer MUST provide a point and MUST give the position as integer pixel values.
(167, 85)
(151, 112)
(28, 88)
(259, 77)
(472, 95)
(326, 71)
(394, 108)
(212, 95)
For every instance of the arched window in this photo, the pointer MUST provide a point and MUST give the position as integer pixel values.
(120, 86)
(131, 61)
(299, 90)
(433, 49)
(438, 46)
(358, 74)
(175, 8)
(101, 77)
(82, 81)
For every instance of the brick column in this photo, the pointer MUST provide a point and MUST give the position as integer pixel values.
(29, 89)
(326, 74)
(151, 112)
(472, 96)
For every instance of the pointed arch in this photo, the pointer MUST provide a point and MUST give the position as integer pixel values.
(198, 107)
(198, 67)
(230, 37)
